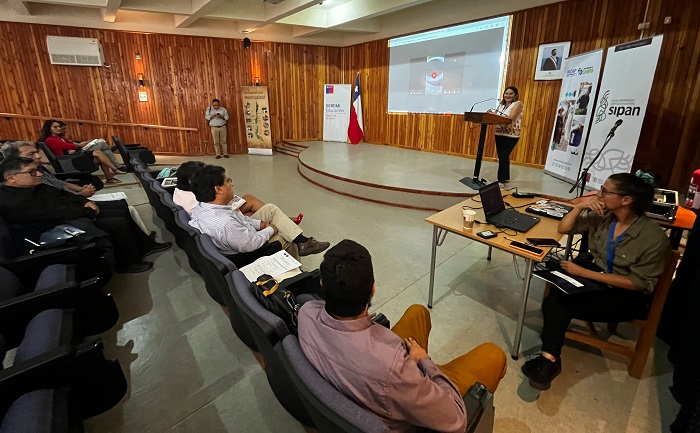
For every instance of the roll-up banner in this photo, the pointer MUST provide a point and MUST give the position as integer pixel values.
(336, 112)
(624, 94)
(256, 115)
(574, 110)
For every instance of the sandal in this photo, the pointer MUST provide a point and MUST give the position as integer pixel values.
(113, 180)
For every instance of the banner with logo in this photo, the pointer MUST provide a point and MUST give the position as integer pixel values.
(336, 112)
(574, 110)
(256, 115)
(624, 94)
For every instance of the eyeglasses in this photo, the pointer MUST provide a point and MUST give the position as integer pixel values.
(605, 192)
(31, 172)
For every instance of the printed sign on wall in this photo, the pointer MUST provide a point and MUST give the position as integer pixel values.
(256, 116)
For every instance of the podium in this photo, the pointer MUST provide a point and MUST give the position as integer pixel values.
(484, 119)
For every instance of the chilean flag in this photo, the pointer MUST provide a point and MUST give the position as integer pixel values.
(355, 129)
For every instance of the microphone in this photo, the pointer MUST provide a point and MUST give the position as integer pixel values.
(485, 100)
(612, 130)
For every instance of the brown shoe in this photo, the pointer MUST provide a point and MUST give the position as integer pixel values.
(218, 156)
(226, 156)
(312, 246)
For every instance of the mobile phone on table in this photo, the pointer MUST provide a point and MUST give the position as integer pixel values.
(543, 242)
(525, 247)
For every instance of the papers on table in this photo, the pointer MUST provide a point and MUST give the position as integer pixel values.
(280, 265)
(109, 196)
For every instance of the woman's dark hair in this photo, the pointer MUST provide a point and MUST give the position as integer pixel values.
(185, 172)
(205, 180)
(515, 98)
(642, 193)
(347, 277)
(46, 129)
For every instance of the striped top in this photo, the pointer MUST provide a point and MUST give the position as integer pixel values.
(231, 231)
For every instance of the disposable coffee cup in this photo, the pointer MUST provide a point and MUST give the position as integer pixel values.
(468, 217)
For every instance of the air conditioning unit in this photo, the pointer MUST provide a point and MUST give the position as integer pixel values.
(75, 51)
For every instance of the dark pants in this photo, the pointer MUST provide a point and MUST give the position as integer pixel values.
(504, 146)
(130, 242)
(611, 305)
(243, 259)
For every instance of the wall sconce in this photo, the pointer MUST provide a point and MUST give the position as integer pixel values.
(256, 81)
(142, 82)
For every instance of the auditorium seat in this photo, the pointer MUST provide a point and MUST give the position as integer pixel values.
(214, 268)
(330, 410)
(56, 287)
(268, 331)
(128, 153)
(69, 164)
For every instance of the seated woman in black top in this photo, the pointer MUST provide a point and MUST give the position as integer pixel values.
(628, 252)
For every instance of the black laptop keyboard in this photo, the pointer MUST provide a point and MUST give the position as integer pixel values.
(505, 218)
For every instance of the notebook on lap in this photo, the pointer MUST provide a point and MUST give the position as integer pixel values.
(497, 214)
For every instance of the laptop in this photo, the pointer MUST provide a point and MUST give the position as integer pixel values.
(549, 209)
(497, 214)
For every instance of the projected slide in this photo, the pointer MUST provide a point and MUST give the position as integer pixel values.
(437, 75)
(448, 70)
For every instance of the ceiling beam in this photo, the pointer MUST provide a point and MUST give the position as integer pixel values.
(199, 9)
(109, 14)
(20, 7)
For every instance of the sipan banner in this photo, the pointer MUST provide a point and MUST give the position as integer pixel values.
(336, 112)
(574, 110)
(624, 94)
(256, 115)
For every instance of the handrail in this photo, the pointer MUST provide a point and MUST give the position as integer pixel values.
(97, 122)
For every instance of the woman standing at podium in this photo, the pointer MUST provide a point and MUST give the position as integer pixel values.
(508, 134)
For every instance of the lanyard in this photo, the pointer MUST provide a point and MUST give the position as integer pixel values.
(611, 245)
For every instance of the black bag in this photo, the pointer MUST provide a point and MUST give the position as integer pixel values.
(278, 300)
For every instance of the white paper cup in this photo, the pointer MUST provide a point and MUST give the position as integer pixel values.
(468, 217)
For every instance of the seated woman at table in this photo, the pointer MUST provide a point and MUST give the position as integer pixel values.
(53, 133)
(628, 252)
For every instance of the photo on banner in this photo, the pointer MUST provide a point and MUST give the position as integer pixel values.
(573, 114)
(624, 94)
(336, 111)
(256, 117)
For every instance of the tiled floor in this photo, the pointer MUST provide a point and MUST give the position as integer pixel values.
(189, 373)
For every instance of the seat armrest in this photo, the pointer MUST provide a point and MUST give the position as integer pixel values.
(41, 259)
(70, 294)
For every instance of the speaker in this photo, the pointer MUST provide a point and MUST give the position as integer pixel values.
(247, 43)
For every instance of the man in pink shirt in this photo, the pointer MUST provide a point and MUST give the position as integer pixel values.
(388, 372)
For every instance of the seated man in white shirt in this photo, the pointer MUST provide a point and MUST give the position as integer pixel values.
(234, 233)
(184, 197)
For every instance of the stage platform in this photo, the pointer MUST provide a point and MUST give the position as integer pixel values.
(407, 178)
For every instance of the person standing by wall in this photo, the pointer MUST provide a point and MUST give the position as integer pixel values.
(217, 117)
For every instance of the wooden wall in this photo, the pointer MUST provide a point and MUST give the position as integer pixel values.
(182, 75)
(668, 144)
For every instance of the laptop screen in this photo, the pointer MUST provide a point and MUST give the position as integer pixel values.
(491, 199)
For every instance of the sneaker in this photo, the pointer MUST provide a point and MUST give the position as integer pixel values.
(541, 372)
(501, 185)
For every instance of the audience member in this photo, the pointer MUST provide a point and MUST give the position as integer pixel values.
(234, 233)
(53, 133)
(26, 149)
(388, 372)
(628, 252)
(24, 200)
(184, 197)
